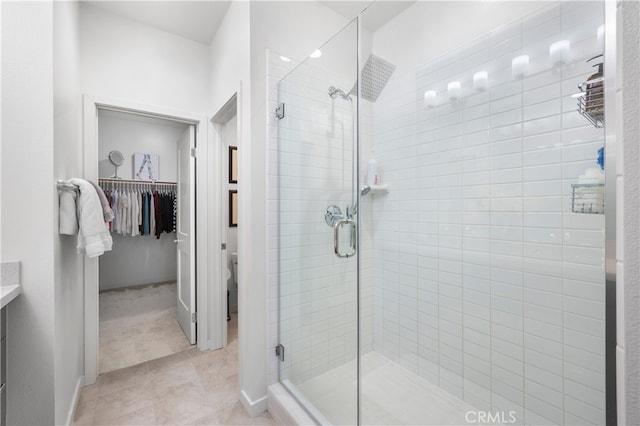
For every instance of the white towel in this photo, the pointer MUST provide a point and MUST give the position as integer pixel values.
(68, 218)
(94, 238)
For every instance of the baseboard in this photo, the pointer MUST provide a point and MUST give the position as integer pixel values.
(253, 407)
(74, 401)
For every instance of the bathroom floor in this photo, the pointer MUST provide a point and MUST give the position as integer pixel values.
(190, 387)
(137, 325)
(390, 394)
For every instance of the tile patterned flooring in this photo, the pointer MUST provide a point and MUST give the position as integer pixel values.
(187, 388)
(138, 324)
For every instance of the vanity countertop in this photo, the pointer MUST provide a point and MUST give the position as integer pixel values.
(8, 293)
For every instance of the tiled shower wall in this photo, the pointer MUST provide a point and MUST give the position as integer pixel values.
(309, 168)
(485, 282)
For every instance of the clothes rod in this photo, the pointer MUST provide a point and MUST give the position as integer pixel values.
(135, 182)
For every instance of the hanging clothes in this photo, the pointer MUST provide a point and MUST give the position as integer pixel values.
(157, 213)
(133, 222)
(145, 215)
(125, 213)
(141, 212)
(152, 215)
(167, 213)
(175, 212)
(116, 211)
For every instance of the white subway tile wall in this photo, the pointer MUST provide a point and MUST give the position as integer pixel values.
(474, 272)
(485, 282)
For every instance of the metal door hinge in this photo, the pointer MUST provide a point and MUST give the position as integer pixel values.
(194, 152)
(280, 352)
(194, 317)
(223, 246)
(280, 111)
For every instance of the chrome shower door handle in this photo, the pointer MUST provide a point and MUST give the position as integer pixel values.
(336, 238)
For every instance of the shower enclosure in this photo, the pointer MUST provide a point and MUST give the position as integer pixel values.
(466, 285)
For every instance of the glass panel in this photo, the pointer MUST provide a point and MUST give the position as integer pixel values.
(482, 292)
(318, 290)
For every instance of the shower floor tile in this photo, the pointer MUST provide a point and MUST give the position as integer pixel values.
(138, 325)
(391, 394)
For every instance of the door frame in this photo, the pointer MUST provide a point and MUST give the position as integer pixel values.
(207, 283)
(219, 179)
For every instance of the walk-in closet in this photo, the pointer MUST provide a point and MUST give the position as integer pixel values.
(146, 282)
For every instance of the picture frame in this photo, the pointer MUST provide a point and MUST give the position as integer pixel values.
(233, 164)
(233, 208)
(145, 167)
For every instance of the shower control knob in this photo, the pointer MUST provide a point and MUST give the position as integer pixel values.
(332, 215)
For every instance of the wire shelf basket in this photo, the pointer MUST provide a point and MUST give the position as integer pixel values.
(587, 198)
(591, 101)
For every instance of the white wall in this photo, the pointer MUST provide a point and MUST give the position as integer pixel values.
(486, 284)
(126, 60)
(428, 24)
(628, 226)
(131, 134)
(230, 71)
(141, 259)
(28, 200)
(229, 57)
(69, 354)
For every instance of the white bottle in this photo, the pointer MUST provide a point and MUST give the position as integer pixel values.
(372, 172)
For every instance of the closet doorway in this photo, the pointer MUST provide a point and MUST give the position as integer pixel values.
(205, 282)
(147, 292)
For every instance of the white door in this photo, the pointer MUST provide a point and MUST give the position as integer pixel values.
(185, 227)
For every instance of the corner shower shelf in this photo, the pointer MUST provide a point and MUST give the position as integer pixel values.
(380, 189)
(587, 198)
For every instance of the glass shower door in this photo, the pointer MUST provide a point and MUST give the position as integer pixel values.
(318, 252)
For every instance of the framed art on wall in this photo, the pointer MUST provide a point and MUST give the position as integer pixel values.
(233, 208)
(145, 167)
(233, 164)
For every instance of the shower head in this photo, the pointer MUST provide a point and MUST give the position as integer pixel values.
(334, 92)
(353, 210)
(374, 77)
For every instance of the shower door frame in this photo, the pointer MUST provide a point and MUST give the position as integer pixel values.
(612, 404)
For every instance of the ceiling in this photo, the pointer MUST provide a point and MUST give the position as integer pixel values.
(375, 17)
(195, 20)
(199, 20)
